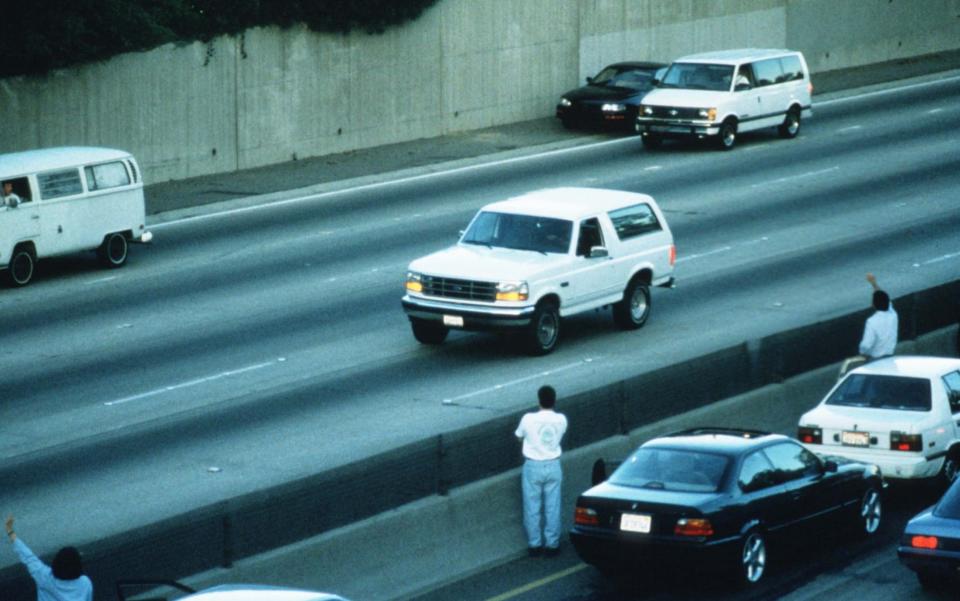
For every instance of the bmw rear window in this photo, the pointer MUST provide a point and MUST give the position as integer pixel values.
(671, 469)
(883, 392)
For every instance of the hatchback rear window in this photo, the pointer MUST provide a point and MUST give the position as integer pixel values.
(883, 392)
(671, 469)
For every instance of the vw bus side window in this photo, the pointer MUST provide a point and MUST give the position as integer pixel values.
(108, 175)
(57, 184)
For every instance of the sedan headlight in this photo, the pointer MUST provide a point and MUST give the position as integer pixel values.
(708, 114)
(512, 291)
(414, 282)
(613, 107)
(646, 110)
(565, 102)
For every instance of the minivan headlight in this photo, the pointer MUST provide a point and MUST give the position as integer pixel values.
(414, 282)
(708, 114)
(512, 291)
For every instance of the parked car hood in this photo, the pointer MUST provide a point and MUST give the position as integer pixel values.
(475, 262)
(685, 98)
(602, 93)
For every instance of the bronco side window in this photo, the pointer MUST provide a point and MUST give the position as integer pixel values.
(590, 236)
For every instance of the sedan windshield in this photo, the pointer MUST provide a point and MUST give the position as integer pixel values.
(520, 232)
(671, 469)
(883, 392)
(635, 79)
(695, 76)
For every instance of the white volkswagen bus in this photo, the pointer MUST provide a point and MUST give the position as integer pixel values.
(71, 199)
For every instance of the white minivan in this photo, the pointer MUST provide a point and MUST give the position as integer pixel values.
(67, 200)
(717, 95)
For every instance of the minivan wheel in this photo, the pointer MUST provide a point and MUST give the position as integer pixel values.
(113, 251)
(727, 138)
(544, 329)
(632, 312)
(791, 124)
(21, 267)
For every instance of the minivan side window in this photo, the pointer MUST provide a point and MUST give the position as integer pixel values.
(768, 72)
(108, 175)
(792, 69)
(57, 184)
(634, 221)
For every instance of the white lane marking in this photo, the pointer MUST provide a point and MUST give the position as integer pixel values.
(706, 254)
(653, 168)
(219, 376)
(501, 162)
(798, 176)
(851, 128)
(941, 258)
(497, 387)
(102, 280)
(934, 111)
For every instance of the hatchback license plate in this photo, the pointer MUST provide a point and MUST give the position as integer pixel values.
(855, 439)
(635, 522)
(455, 321)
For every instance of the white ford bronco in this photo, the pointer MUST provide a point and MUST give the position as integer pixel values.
(524, 263)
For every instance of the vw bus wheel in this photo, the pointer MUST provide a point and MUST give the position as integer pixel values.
(21, 267)
(113, 251)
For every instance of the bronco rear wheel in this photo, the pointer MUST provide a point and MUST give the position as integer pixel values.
(632, 312)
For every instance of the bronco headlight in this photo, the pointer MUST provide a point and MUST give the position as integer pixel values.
(512, 291)
(414, 282)
(565, 102)
(708, 114)
(613, 107)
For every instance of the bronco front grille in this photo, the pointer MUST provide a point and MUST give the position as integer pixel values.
(459, 289)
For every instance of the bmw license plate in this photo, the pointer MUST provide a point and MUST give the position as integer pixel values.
(453, 321)
(855, 439)
(635, 522)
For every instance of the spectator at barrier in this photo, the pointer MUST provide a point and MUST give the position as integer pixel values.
(65, 581)
(541, 433)
(879, 332)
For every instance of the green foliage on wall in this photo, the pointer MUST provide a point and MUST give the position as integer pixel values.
(39, 35)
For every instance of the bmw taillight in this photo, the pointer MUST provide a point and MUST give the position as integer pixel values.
(810, 435)
(585, 516)
(900, 441)
(693, 527)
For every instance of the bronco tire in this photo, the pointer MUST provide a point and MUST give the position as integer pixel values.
(428, 332)
(632, 312)
(544, 329)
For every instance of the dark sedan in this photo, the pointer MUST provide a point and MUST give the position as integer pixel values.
(930, 544)
(717, 497)
(610, 98)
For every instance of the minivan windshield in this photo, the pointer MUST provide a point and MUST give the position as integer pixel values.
(520, 232)
(883, 392)
(698, 76)
(671, 469)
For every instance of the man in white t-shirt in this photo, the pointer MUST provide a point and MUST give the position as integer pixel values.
(879, 332)
(541, 433)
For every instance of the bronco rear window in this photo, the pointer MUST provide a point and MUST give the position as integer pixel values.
(671, 469)
(883, 392)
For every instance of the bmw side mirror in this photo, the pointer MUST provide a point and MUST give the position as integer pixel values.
(599, 473)
(830, 465)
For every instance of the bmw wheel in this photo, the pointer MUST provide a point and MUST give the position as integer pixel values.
(753, 557)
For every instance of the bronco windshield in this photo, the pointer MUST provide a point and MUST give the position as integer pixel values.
(520, 232)
(671, 469)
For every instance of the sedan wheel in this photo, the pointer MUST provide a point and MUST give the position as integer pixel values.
(871, 511)
(951, 466)
(753, 560)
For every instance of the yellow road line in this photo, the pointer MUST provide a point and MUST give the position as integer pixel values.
(537, 583)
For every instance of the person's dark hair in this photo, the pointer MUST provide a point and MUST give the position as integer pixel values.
(547, 397)
(881, 300)
(67, 564)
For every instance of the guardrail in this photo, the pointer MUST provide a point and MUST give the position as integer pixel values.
(217, 535)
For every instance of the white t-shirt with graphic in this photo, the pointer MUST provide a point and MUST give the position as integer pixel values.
(541, 433)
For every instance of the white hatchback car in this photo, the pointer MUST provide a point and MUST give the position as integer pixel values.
(900, 413)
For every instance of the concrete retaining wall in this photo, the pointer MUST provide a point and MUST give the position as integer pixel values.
(270, 96)
(438, 473)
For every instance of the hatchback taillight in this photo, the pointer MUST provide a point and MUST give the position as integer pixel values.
(924, 542)
(810, 435)
(900, 441)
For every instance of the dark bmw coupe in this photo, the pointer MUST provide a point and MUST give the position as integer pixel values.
(930, 544)
(611, 98)
(719, 497)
